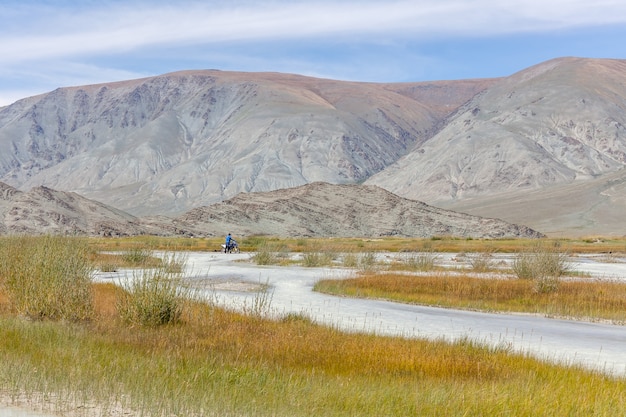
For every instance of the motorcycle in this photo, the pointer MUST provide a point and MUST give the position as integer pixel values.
(233, 247)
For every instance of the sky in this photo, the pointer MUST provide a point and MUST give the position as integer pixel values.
(47, 44)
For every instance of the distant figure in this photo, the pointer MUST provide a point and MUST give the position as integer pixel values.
(230, 244)
(228, 239)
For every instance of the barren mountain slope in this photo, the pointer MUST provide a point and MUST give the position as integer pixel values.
(557, 123)
(317, 209)
(7, 193)
(595, 207)
(321, 209)
(45, 211)
(165, 144)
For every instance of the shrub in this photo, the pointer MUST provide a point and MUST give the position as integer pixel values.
(153, 297)
(545, 265)
(423, 261)
(350, 260)
(293, 317)
(265, 255)
(367, 261)
(137, 256)
(108, 267)
(481, 261)
(174, 263)
(261, 304)
(48, 277)
(315, 259)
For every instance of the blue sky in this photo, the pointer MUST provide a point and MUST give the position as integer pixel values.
(46, 44)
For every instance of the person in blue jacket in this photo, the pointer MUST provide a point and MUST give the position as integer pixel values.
(228, 239)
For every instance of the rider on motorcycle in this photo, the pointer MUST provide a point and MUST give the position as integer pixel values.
(229, 244)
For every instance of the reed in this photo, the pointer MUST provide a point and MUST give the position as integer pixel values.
(47, 277)
(154, 297)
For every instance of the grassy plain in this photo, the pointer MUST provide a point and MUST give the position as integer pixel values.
(584, 300)
(340, 245)
(214, 362)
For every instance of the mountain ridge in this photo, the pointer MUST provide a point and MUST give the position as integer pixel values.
(191, 138)
(346, 210)
(167, 144)
(556, 124)
(293, 212)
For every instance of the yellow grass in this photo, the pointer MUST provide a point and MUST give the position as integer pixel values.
(214, 362)
(592, 300)
(342, 245)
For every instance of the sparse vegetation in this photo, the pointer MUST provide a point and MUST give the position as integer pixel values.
(152, 297)
(47, 277)
(137, 256)
(211, 361)
(350, 260)
(543, 265)
(265, 255)
(481, 261)
(317, 259)
(367, 262)
(422, 261)
(589, 300)
(216, 362)
(343, 245)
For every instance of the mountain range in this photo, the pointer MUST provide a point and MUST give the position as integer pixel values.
(312, 210)
(545, 147)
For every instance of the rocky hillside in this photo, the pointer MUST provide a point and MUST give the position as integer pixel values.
(555, 123)
(318, 209)
(558, 124)
(42, 210)
(321, 209)
(545, 147)
(166, 144)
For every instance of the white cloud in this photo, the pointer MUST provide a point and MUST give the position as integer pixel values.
(119, 27)
(45, 44)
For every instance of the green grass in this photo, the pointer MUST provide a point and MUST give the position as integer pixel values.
(47, 277)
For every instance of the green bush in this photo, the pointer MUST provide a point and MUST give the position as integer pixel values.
(47, 277)
(154, 297)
